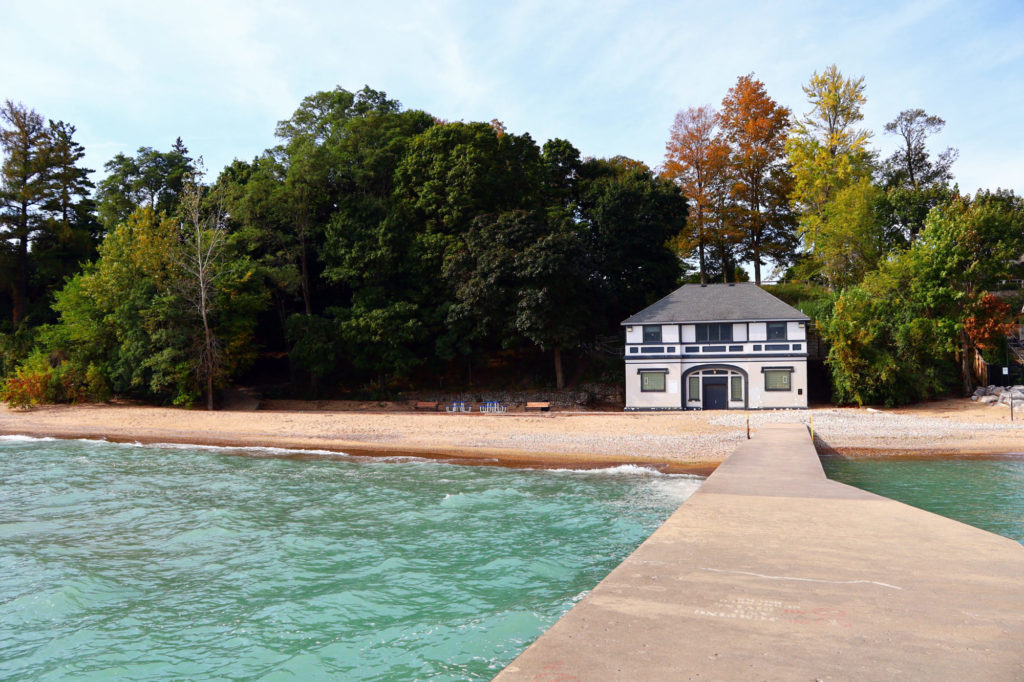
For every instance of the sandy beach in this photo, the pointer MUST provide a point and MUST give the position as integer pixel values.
(679, 442)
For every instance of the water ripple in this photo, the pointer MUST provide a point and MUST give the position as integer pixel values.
(152, 563)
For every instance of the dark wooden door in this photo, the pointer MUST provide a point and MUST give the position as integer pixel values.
(715, 396)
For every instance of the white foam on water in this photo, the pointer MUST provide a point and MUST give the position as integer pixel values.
(15, 438)
(252, 449)
(624, 470)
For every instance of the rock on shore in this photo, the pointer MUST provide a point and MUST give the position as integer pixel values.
(1000, 395)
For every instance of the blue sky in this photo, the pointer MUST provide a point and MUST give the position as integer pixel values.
(608, 76)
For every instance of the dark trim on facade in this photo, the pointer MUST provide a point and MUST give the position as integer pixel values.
(736, 358)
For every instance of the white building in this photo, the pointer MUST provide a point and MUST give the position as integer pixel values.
(716, 347)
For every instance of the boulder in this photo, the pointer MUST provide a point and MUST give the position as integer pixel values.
(988, 399)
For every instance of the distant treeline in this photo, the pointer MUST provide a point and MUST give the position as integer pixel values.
(374, 245)
(371, 242)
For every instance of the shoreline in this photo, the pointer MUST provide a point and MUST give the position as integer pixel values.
(299, 449)
(693, 443)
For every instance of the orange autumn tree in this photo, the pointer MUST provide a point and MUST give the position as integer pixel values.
(754, 127)
(696, 159)
(991, 322)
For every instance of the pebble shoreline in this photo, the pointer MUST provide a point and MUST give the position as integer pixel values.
(676, 440)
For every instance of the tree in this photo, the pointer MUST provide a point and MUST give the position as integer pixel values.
(696, 159)
(71, 232)
(910, 166)
(904, 331)
(755, 126)
(827, 153)
(23, 138)
(852, 240)
(150, 178)
(201, 268)
(314, 177)
(626, 218)
(45, 214)
(914, 182)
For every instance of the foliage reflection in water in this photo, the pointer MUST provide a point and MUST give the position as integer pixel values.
(148, 563)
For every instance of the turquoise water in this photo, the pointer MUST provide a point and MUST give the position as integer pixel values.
(987, 493)
(148, 563)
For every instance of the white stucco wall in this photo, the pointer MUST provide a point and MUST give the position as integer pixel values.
(758, 331)
(739, 331)
(757, 396)
(762, 399)
(670, 333)
(796, 331)
(635, 334)
(689, 333)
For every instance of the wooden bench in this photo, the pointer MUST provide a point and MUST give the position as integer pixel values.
(543, 407)
(425, 405)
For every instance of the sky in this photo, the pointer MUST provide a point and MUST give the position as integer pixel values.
(607, 76)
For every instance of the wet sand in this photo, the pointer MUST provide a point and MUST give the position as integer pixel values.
(679, 442)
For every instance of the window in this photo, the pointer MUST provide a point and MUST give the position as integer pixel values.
(777, 379)
(652, 380)
(735, 388)
(652, 333)
(714, 332)
(694, 387)
(776, 331)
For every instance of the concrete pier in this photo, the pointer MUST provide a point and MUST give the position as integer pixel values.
(772, 572)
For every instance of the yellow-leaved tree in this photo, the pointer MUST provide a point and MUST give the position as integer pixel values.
(829, 156)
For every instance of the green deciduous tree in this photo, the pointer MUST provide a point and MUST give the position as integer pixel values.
(901, 334)
(915, 182)
(151, 178)
(827, 152)
(911, 165)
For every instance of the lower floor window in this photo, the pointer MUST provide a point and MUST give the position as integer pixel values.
(735, 388)
(694, 387)
(652, 381)
(777, 379)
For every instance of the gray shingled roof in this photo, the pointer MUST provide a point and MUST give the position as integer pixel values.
(716, 303)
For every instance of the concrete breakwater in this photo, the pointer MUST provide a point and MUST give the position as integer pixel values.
(771, 571)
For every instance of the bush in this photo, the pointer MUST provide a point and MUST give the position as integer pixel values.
(48, 379)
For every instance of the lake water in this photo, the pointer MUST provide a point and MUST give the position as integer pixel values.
(150, 563)
(987, 493)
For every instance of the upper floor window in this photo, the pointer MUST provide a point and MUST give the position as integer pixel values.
(776, 331)
(714, 332)
(652, 333)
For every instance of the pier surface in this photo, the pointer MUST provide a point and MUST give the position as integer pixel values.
(771, 571)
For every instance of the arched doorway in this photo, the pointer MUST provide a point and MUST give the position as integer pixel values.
(715, 387)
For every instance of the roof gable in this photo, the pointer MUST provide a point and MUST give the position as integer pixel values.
(738, 302)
